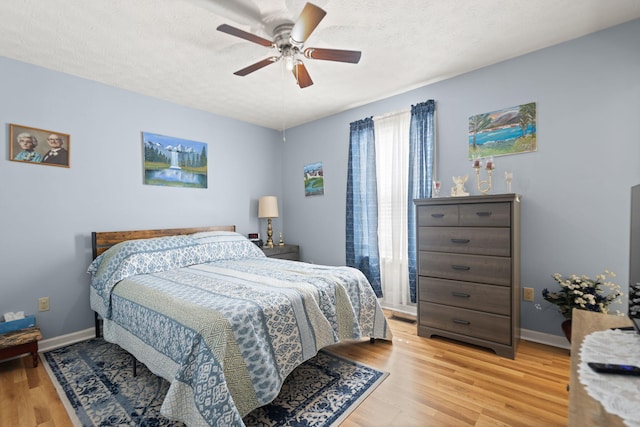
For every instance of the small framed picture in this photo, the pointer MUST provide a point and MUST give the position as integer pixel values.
(313, 179)
(39, 146)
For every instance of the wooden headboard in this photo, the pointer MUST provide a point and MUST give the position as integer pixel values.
(101, 241)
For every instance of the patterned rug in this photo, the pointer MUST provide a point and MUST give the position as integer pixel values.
(95, 381)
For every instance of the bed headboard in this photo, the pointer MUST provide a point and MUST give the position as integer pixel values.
(101, 241)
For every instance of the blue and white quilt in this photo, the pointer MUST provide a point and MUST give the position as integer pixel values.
(222, 322)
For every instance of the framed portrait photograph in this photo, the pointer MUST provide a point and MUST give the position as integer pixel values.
(39, 146)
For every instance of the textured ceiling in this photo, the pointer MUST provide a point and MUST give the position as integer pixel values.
(170, 49)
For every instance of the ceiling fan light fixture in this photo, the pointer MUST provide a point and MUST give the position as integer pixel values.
(289, 62)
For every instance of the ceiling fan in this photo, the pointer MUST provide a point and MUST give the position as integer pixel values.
(288, 39)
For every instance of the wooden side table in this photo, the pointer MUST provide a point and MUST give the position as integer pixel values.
(19, 342)
(291, 252)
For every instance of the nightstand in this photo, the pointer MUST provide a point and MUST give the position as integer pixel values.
(291, 252)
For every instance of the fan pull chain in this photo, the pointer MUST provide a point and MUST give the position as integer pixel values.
(284, 134)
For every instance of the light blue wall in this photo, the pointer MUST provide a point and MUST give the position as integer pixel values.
(576, 187)
(49, 212)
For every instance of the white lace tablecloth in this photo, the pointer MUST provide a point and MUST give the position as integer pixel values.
(618, 394)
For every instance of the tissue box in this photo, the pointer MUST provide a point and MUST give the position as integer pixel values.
(15, 325)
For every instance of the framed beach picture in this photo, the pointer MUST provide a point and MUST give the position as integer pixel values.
(313, 179)
(174, 162)
(507, 131)
(39, 146)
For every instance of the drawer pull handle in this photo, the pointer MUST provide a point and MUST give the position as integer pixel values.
(460, 294)
(461, 267)
(460, 240)
(484, 213)
(437, 215)
(462, 322)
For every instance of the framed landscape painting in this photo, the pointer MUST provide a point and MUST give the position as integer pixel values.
(313, 179)
(174, 162)
(39, 146)
(499, 133)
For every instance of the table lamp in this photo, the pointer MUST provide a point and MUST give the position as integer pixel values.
(268, 208)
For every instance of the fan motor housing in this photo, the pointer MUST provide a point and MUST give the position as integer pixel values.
(281, 36)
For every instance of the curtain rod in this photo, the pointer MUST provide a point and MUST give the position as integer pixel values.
(394, 113)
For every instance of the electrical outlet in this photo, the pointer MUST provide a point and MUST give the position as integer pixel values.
(43, 304)
(527, 294)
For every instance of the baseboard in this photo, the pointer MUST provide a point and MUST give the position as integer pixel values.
(402, 309)
(74, 337)
(403, 316)
(68, 339)
(542, 338)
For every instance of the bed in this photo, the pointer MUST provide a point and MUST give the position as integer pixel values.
(205, 309)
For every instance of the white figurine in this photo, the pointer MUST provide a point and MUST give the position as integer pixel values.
(459, 189)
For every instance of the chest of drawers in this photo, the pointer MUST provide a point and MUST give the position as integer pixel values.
(469, 270)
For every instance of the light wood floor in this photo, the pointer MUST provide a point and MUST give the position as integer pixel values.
(433, 382)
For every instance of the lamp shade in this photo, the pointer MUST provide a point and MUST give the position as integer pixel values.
(268, 207)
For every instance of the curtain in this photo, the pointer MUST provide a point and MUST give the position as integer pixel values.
(421, 164)
(362, 204)
(392, 169)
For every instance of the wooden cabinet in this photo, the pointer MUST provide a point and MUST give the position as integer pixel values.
(291, 252)
(469, 270)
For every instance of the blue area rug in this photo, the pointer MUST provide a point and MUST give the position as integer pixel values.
(95, 381)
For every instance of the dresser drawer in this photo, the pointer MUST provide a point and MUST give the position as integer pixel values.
(466, 240)
(476, 324)
(437, 215)
(489, 298)
(468, 268)
(485, 215)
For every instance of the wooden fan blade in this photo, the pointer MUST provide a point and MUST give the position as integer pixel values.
(256, 66)
(351, 56)
(307, 22)
(302, 75)
(244, 35)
